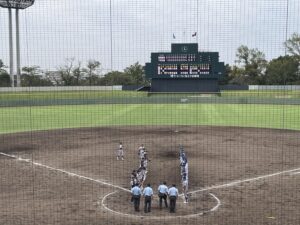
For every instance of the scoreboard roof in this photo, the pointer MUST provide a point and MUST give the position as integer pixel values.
(16, 4)
(184, 61)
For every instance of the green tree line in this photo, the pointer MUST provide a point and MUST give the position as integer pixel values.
(251, 68)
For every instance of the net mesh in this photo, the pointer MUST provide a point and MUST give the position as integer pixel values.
(67, 154)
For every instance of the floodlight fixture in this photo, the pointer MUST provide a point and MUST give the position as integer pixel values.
(15, 4)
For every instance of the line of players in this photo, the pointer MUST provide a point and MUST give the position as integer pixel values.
(137, 180)
(184, 173)
(138, 176)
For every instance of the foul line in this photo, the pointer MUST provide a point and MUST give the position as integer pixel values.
(63, 171)
(233, 183)
(112, 185)
(237, 182)
(295, 173)
(159, 217)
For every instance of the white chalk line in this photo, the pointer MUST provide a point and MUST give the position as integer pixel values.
(64, 171)
(158, 217)
(233, 183)
(108, 184)
(237, 182)
(295, 173)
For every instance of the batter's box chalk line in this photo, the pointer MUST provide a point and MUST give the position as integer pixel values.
(104, 206)
(220, 186)
(111, 185)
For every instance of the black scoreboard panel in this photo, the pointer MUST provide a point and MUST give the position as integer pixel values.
(176, 57)
(185, 62)
(184, 70)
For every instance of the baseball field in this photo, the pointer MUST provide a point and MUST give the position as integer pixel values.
(58, 156)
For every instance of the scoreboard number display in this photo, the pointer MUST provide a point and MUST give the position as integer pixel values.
(184, 70)
(185, 61)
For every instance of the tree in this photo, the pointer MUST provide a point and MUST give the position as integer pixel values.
(238, 77)
(4, 76)
(32, 77)
(116, 78)
(77, 73)
(137, 74)
(54, 77)
(282, 71)
(91, 70)
(65, 72)
(253, 64)
(292, 45)
(227, 76)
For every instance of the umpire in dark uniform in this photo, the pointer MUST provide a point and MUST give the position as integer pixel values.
(136, 195)
(173, 194)
(148, 193)
(163, 194)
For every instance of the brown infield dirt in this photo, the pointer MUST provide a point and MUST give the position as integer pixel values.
(37, 191)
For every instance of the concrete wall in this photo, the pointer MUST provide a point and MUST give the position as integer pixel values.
(184, 85)
(164, 86)
(233, 87)
(274, 87)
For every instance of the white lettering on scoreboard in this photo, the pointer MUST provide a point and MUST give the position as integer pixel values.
(184, 70)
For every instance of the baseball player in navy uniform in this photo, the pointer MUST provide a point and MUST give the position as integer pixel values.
(185, 183)
(184, 173)
(183, 161)
(133, 181)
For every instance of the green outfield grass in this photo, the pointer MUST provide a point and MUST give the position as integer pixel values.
(264, 93)
(57, 95)
(45, 95)
(16, 119)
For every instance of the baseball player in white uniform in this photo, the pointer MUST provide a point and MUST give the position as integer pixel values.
(120, 152)
(141, 151)
(141, 176)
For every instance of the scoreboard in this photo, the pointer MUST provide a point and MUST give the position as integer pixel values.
(183, 70)
(184, 61)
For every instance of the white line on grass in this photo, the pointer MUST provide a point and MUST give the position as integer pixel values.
(64, 171)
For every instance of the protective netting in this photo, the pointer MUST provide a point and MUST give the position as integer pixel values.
(71, 152)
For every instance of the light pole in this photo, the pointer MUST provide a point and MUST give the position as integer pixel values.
(15, 4)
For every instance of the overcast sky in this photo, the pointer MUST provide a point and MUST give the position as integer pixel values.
(53, 30)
